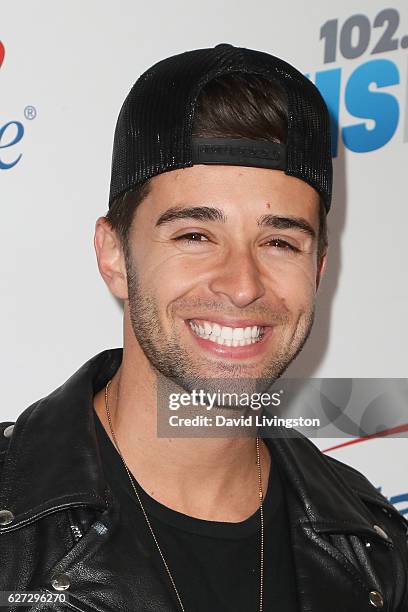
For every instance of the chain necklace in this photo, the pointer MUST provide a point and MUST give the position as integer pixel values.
(258, 461)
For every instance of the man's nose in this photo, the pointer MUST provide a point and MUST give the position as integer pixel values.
(238, 277)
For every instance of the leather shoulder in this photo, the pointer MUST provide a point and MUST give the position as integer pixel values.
(355, 479)
(364, 488)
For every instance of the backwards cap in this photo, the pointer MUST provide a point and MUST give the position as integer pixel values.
(154, 128)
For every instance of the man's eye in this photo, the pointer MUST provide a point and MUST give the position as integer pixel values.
(192, 237)
(283, 244)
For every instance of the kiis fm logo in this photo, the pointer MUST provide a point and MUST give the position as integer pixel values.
(12, 132)
(370, 92)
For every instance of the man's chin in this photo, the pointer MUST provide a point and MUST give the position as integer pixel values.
(229, 379)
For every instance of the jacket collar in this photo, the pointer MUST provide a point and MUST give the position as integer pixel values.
(53, 460)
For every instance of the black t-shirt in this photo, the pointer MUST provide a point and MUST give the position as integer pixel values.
(215, 565)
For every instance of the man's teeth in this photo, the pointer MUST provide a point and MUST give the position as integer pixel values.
(228, 336)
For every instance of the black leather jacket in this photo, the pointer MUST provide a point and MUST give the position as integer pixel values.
(60, 525)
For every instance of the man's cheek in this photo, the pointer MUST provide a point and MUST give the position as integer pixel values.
(295, 286)
(174, 264)
(300, 300)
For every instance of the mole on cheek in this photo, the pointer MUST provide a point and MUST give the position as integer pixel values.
(268, 205)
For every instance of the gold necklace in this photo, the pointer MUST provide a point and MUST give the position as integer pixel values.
(258, 461)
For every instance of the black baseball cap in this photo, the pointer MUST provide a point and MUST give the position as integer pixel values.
(154, 129)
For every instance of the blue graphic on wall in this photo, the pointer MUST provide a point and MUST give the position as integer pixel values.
(363, 102)
(363, 94)
(12, 131)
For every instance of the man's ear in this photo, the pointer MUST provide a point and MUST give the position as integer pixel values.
(321, 267)
(110, 257)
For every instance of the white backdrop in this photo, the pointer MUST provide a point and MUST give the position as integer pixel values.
(66, 69)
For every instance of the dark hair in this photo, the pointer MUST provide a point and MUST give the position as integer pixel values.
(234, 105)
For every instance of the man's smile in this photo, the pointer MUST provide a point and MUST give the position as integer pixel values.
(239, 339)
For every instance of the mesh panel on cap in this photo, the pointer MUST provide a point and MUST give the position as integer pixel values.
(153, 131)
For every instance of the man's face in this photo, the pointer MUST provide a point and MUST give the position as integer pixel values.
(223, 271)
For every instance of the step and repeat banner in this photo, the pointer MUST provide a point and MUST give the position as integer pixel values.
(65, 69)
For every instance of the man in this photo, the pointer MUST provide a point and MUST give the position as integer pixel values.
(215, 241)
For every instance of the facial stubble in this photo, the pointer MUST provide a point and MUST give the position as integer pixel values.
(169, 358)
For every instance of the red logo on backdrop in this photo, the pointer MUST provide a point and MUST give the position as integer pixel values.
(2, 53)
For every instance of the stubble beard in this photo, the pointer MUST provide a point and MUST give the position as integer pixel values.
(171, 360)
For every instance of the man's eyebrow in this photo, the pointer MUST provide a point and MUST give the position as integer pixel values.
(280, 222)
(209, 213)
(201, 213)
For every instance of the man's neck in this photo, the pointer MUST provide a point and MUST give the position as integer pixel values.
(209, 478)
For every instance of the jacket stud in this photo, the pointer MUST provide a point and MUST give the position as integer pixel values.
(381, 532)
(376, 599)
(6, 517)
(61, 582)
(8, 431)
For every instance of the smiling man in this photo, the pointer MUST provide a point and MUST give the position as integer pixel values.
(216, 242)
